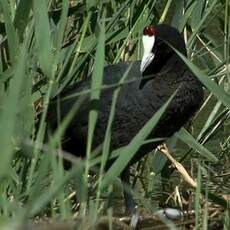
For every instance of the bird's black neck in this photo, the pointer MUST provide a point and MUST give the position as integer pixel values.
(172, 62)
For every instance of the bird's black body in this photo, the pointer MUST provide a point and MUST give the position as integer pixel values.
(138, 100)
(134, 106)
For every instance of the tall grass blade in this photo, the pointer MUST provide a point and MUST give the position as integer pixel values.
(43, 36)
(11, 111)
(21, 18)
(96, 82)
(107, 139)
(187, 138)
(10, 31)
(197, 198)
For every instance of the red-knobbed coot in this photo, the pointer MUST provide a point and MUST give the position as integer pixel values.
(138, 100)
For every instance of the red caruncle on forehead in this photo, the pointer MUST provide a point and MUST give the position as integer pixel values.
(149, 30)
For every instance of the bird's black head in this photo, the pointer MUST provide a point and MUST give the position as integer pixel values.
(157, 51)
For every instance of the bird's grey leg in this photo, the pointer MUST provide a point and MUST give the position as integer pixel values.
(129, 202)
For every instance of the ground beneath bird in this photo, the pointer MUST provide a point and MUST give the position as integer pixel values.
(149, 219)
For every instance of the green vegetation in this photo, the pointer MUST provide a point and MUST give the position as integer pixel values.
(47, 45)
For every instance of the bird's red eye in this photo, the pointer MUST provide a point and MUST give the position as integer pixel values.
(149, 30)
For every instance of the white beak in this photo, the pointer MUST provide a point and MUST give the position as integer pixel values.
(148, 56)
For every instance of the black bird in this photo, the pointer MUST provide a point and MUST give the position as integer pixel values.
(155, 78)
